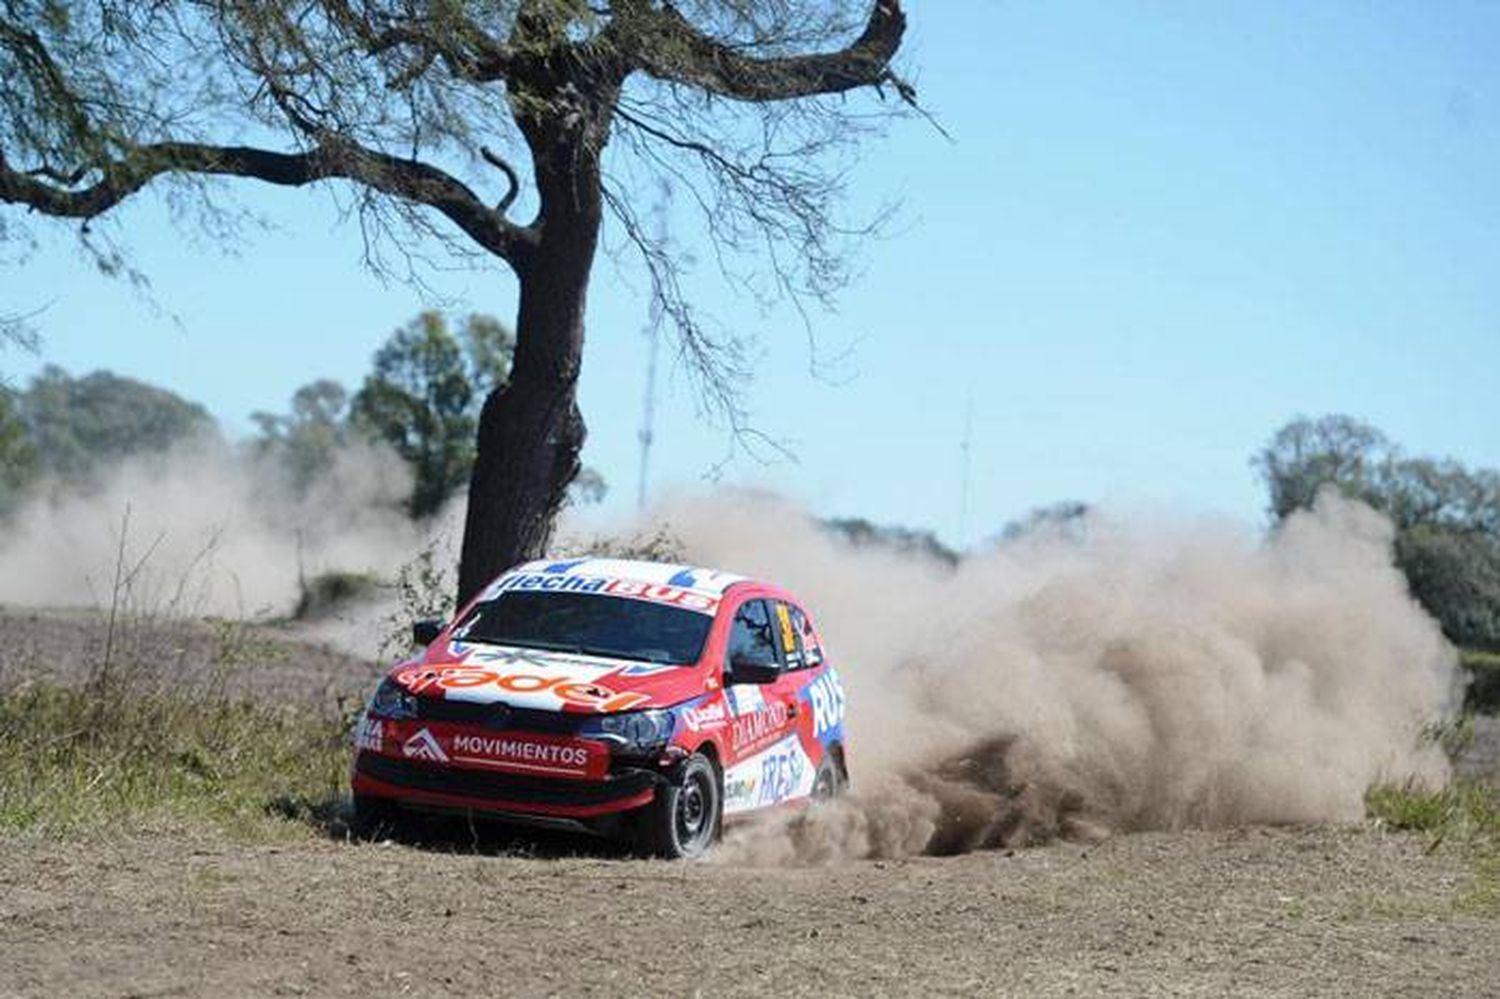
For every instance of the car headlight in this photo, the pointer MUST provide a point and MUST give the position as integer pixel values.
(632, 731)
(391, 700)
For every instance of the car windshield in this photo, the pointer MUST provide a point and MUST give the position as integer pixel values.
(589, 624)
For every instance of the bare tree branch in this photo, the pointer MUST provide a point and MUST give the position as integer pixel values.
(509, 197)
(673, 49)
(334, 158)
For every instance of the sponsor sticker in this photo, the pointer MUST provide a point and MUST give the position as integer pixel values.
(782, 772)
(424, 746)
(705, 716)
(741, 790)
(569, 690)
(750, 732)
(520, 752)
(369, 734)
(827, 696)
(548, 582)
(503, 752)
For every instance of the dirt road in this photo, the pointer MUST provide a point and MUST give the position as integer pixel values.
(1255, 912)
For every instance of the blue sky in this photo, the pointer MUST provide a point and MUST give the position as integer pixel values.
(1161, 231)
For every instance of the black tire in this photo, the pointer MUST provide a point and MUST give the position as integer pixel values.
(374, 818)
(683, 821)
(828, 783)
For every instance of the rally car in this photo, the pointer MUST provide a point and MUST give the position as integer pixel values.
(620, 697)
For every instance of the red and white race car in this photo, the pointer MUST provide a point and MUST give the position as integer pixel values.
(621, 697)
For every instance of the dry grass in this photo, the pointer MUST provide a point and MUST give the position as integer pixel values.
(78, 762)
(159, 723)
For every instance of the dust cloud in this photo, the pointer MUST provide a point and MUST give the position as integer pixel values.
(208, 528)
(1133, 677)
(1125, 677)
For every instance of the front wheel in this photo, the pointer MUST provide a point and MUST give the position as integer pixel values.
(374, 818)
(683, 821)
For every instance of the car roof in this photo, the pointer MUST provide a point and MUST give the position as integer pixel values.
(702, 580)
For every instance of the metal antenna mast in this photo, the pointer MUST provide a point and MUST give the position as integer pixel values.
(964, 447)
(648, 413)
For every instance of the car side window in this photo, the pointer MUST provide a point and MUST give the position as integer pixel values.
(807, 639)
(788, 638)
(751, 637)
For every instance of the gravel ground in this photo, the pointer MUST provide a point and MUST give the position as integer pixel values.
(1258, 912)
(266, 661)
(1252, 912)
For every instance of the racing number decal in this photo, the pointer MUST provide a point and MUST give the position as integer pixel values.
(788, 635)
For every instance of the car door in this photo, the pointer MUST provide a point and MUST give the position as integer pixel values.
(816, 684)
(764, 765)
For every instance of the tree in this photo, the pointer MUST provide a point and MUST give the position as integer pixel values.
(79, 426)
(18, 458)
(424, 398)
(1305, 455)
(306, 440)
(735, 103)
(1065, 520)
(15, 330)
(916, 542)
(1447, 516)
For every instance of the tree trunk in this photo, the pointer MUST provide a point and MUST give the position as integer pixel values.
(529, 438)
(530, 430)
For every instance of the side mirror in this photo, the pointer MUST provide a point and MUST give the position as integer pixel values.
(743, 670)
(426, 632)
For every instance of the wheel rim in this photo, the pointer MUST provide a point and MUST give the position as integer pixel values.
(823, 789)
(694, 812)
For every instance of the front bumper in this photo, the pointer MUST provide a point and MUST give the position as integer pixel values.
(418, 784)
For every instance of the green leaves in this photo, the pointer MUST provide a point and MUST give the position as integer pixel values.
(424, 395)
(1447, 516)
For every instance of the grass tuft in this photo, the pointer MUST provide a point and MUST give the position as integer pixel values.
(74, 762)
(1465, 814)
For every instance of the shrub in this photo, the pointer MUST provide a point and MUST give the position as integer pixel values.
(1483, 694)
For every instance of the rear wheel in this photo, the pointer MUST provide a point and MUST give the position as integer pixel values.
(683, 821)
(829, 781)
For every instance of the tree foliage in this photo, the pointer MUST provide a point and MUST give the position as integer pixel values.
(18, 457)
(306, 440)
(738, 108)
(422, 398)
(80, 426)
(424, 395)
(1447, 516)
(917, 542)
(1065, 520)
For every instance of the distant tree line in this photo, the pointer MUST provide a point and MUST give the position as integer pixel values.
(421, 398)
(1446, 515)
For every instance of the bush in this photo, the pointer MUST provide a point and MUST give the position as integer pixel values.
(1483, 694)
(329, 591)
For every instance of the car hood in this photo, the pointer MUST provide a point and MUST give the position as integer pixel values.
(549, 681)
